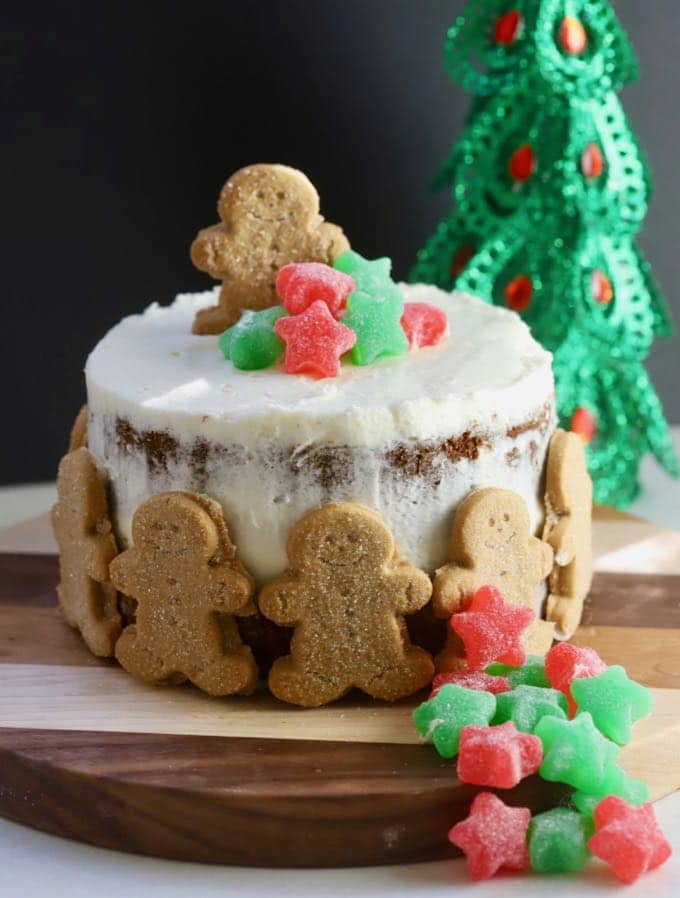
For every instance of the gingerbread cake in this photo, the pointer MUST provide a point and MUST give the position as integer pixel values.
(408, 433)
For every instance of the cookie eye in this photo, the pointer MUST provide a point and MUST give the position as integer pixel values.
(506, 518)
(492, 522)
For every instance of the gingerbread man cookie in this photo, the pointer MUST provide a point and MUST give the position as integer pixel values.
(269, 218)
(188, 585)
(568, 529)
(82, 528)
(78, 435)
(492, 545)
(346, 592)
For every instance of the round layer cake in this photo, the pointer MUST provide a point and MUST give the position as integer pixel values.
(408, 436)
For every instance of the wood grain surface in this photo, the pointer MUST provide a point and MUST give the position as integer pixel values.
(89, 753)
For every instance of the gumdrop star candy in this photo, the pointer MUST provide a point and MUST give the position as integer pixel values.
(424, 324)
(628, 838)
(616, 782)
(558, 841)
(525, 706)
(493, 836)
(565, 663)
(531, 673)
(314, 341)
(492, 630)
(498, 756)
(575, 752)
(470, 679)
(440, 719)
(302, 283)
(376, 322)
(371, 277)
(252, 342)
(613, 701)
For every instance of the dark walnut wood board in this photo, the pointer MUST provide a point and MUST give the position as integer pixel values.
(88, 753)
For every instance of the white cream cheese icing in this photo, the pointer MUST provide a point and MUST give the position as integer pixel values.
(151, 369)
(262, 428)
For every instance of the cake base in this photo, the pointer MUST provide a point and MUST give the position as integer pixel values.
(88, 753)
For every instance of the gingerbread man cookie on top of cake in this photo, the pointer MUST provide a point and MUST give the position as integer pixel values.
(269, 218)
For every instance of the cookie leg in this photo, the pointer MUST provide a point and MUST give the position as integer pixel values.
(232, 674)
(100, 636)
(538, 637)
(306, 688)
(138, 659)
(409, 674)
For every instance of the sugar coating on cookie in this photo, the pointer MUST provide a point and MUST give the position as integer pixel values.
(346, 593)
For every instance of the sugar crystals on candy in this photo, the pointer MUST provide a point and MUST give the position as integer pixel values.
(614, 702)
(302, 283)
(314, 341)
(440, 719)
(558, 841)
(493, 836)
(628, 838)
(525, 706)
(575, 752)
(252, 343)
(492, 630)
(497, 756)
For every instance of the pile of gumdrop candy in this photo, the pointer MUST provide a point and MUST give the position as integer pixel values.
(507, 716)
(354, 307)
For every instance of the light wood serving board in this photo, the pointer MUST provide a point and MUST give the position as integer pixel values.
(89, 753)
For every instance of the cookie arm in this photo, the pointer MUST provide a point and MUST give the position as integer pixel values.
(211, 251)
(281, 601)
(412, 588)
(563, 540)
(543, 558)
(453, 586)
(229, 591)
(123, 573)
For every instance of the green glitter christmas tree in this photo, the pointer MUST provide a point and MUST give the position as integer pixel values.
(550, 189)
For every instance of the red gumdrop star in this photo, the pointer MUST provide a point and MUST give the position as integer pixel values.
(628, 838)
(499, 757)
(565, 663)
(301, 283)
(471, 679)
(314, 341)
(424, 324)
(492, 836)
(490, 629)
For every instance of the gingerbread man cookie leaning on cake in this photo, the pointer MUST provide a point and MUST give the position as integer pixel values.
(492, 545)
(345, 593)
(188, 586)
(568, 529)
(82, 528)
(269, 218)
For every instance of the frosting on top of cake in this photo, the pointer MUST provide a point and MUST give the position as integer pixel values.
(152, 370)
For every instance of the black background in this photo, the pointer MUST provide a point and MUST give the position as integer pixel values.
(123, 119)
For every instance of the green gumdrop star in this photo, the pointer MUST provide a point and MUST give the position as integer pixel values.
(558, 841)
(616, 782)
(526, 705)
(377, 326)
(613, 701)
(440, 719)
(252, 343)
(575, 752)
(531, 673)
(371, 277)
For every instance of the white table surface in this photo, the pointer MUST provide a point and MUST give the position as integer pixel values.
(34, 864)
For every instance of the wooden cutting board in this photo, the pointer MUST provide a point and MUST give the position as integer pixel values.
(89, 753)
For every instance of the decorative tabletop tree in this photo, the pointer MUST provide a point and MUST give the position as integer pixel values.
(550, 189)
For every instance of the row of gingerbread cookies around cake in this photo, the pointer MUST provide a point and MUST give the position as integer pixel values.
(346, 590)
